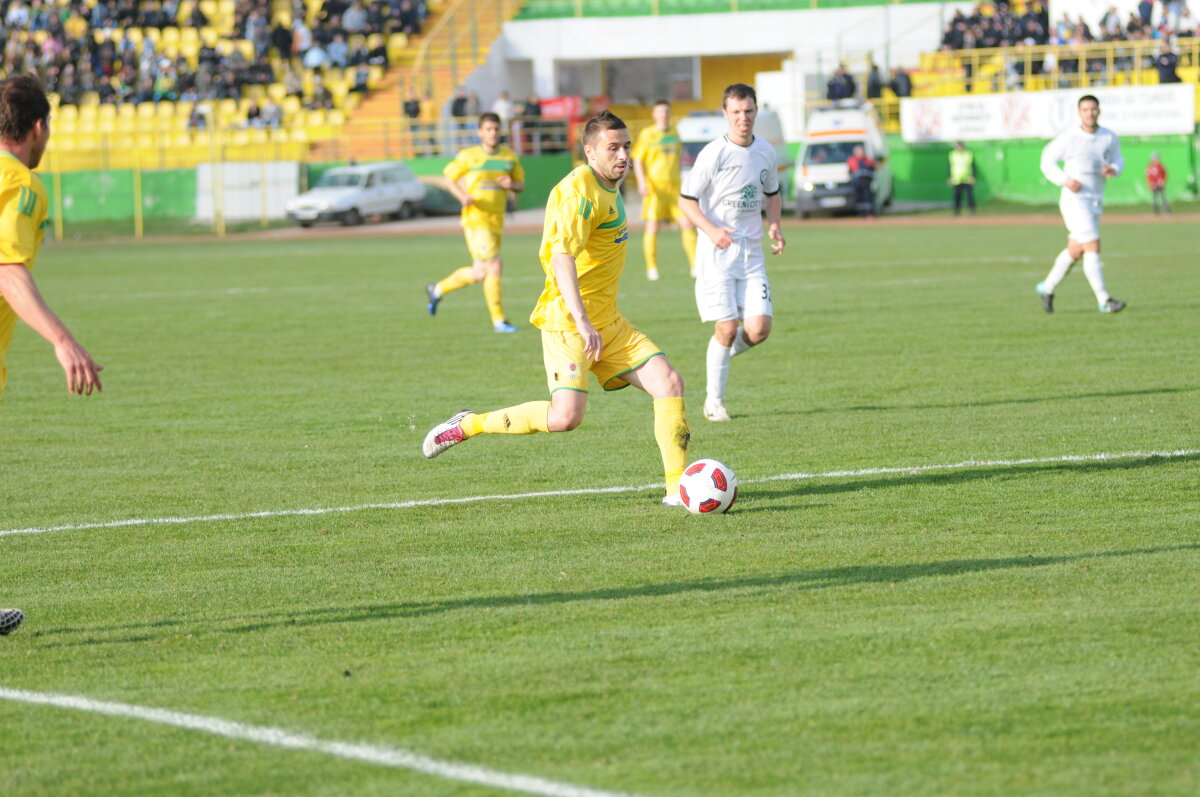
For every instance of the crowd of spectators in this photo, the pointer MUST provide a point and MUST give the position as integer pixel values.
(57, 43)
(842, 86)
(999, 25)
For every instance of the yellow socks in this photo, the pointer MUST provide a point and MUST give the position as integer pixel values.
(689, 246)
(459, 279)
(492, 295)
(672, 434)
(522, 419)
(650, 250)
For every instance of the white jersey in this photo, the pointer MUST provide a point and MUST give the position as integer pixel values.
(1083, 157)
(731, 183)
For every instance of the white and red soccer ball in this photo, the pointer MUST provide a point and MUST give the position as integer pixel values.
(708, 487)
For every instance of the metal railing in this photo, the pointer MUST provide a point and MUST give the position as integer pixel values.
(550, 9)
(1062, 66)
(455, 32)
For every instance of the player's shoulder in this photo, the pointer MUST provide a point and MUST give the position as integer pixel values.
(508, 153)
(13, 173)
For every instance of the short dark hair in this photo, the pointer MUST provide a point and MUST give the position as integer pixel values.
(661, 101)
(22, 103)
(1087, 97)
(489, 116)
(739, 91)
(605, 120)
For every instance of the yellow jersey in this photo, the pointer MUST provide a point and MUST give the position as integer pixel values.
(481, 169)
(24, 205)
(586, 221)
(659, 152)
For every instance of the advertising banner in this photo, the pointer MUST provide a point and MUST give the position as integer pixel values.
(1127, 111)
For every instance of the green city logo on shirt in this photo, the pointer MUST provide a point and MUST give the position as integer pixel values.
(750, 192)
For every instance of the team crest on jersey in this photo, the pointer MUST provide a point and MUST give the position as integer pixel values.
(762, 177)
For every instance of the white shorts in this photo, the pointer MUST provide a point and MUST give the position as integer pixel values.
(1082, 217)
(732, 283)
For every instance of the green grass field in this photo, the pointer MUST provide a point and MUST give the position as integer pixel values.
(989, 629)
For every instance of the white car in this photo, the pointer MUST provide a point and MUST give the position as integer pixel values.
(351, 193)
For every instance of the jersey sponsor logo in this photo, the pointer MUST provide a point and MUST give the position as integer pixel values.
(747, 200)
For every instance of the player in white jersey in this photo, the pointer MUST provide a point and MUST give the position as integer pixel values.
(733, 180)
(1090, 155)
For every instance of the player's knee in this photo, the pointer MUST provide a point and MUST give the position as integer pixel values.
(492, 267)
(672, 386)
(564, 420)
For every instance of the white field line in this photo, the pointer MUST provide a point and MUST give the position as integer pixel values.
(278, 737)
(475, 499)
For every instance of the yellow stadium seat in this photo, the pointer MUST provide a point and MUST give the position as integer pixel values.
(315, 118)
(276, 91)
(227, 108)
(89, 99)
(145, 110)
(356, 40)
(86, 127)
(337, 116)
(375, 41)
(127, 124)
(181, 139)
(40, 36)
(170, 35)
(189, 35)
(279, 135)
(290, 104)
(121, 142)
(246, 47)
(185, 11)
(164, 109)
(183, 109)
(134, 35)
(106, 124)
(190, 50)
(239, 138)
(107, 111)
(209, 9)
(146, 142)
(351, 101)
(397, 44)
(153, 34)
(209, 36)
(67, 112)
(375, 75)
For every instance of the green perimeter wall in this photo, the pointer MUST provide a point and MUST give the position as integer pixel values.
(108, 195)
(171, 194)
(542, 173)
(1010, 170)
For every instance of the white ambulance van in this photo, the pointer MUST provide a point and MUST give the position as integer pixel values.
(822, 177)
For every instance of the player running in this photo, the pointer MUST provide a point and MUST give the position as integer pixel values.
(1090, 155)
(733, 180)
(24, 206)
(656, 157)
(583, 254)
(489, 171)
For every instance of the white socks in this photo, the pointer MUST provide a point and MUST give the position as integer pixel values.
(1093, 269)
(718, 363)
(1062, 265)
(718, 369)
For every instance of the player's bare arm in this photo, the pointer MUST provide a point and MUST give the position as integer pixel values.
(718, 235)
(774, 232)
(459, 193)
(643, 184)
(567, 278)
(22, 294)
(506, 182)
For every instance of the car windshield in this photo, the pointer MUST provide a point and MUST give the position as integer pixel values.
(829, 152)
(339, 180)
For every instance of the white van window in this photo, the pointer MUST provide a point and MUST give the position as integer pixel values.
(830, 152)
(335, 179)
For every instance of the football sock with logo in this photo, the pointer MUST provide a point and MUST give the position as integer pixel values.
(522, 419)
(492, 295)
(688, 237)
(650, 250)
(1062, 264)
(672, 434)
(739, 343)
(1093, 269)
(718, 369)
(459, 279)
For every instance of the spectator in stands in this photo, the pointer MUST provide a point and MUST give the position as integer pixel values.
(315, 58)
(412, 106)
(198, 19)
(293, 84)
(302, 37)
(322, 99)
(503, 107)
(253, 115)
(1172, 11)
(355, 18)
(281, 39)
(1110, 24)
(458, 104)
(408, 18)
(1165, 63)
(841, 86)
(532, 106)
(901, 83)
(1156, 181)
(362, 79)
(1187, 23)
(1145, 10)
(874, 83)
(339, 52)
(474, 108)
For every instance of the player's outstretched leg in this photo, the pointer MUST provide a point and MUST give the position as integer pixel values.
(528, 418)
(459, 278)
(1060, 269)
(9, 620)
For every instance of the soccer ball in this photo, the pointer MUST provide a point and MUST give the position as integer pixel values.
(708, 487)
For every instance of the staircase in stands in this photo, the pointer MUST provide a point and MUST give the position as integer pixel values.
(456, 39)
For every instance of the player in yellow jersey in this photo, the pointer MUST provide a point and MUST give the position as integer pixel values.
(583, 254)
(480, 178)
(656, 157)
(24, 133)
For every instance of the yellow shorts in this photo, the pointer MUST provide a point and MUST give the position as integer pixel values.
(662, 206)
(483, 242)
(622, 349)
